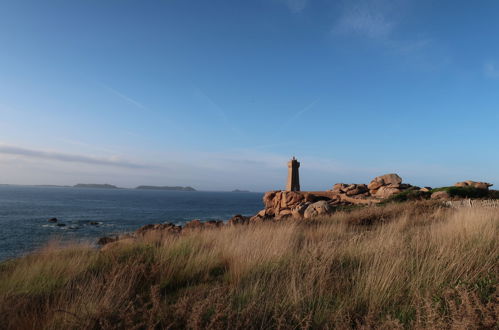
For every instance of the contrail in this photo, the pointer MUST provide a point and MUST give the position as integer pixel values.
(124, 97)
(219, 111)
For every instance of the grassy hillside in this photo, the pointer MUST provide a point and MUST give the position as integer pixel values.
(402, 265)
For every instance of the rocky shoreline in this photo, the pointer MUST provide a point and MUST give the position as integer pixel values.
(298, 205)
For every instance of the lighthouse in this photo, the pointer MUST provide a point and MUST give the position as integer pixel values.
(293, 183)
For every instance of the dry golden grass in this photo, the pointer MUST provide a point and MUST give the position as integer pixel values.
(411, 265)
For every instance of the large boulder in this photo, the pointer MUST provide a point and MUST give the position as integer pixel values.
(386, 179)
(317, 209)
(387, 185)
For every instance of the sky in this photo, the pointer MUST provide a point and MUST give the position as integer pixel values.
(219, 95)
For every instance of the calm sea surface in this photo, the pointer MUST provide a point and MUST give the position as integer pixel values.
(24, 212)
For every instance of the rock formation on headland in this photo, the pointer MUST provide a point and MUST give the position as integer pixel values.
(295, 204)
(300, 204)
(303, 205)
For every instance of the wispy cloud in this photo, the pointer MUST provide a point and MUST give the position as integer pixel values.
(66, 157)
(369, 18)
(381, 22)
(295, 6)
(491, 69)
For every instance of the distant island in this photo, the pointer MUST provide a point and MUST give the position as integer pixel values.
(176, 188)
(240, 191)
(95, 185)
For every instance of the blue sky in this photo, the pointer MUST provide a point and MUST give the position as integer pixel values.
(220, 94)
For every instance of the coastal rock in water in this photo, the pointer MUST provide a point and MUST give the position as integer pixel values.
(317, 209)
(53, 220)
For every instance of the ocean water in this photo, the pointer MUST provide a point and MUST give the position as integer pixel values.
(24, 212)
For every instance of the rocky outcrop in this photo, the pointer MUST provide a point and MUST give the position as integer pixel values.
(474, 184)
(381, 187)
(283, 204)
(386, 185)
(303, 205)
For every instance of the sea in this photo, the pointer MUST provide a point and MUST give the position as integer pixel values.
(25, 211)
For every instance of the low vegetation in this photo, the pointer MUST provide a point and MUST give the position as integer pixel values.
(407, 265)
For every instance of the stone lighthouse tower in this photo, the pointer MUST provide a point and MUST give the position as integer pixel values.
(293, 183)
